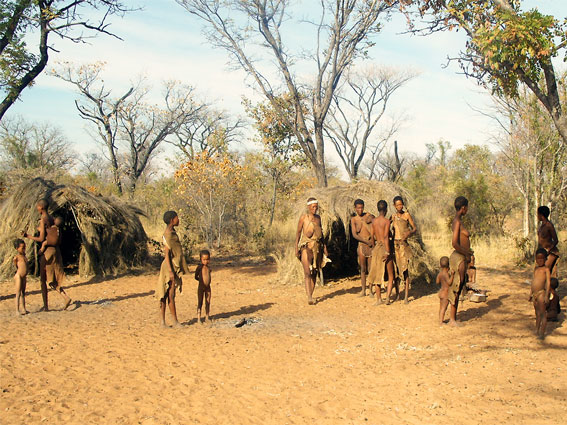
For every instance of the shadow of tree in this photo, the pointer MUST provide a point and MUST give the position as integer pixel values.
(249, 309)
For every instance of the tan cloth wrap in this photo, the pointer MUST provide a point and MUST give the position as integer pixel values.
(403, 254)
(52, 262)
(454, 261)
(364, 250)
(377, 265)
(171, 240)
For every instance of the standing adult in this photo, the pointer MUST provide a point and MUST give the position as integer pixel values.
(404, 227)
(547, 239)
(50, 259)
(309, 246)
(361, 229)
(460, 258)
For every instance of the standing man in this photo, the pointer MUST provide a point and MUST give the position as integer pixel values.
(361, 229)
(460, 258)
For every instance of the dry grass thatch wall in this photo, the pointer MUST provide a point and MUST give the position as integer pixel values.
(102, 235)
(336, 207)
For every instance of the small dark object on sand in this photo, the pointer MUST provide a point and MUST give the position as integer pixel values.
(240, 323)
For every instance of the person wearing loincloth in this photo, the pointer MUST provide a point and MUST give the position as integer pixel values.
(50, 261)
(309, 246)
(173, 266)
(381, 254)
(547, 239)
(460, 258)
(361, 229)
(539, 293)
(403, 226)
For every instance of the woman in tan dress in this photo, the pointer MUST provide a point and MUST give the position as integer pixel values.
(460, 258)
(403, 226)
(172, 267)
(309, 246)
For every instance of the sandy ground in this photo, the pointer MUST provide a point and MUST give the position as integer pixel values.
(343, 361)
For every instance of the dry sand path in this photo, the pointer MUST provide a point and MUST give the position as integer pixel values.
(343, 361)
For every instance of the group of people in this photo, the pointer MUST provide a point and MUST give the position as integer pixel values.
(50, 260)
(383, 255)
(383, 250)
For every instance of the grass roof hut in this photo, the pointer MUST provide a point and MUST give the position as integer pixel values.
(336, 207)
(100, 236)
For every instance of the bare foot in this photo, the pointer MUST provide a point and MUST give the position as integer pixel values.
(18, 313)
(163, 325)
(67, 304)
(406, 301)
(176, 325)
(454, 324)
(541, 337)
(378, 301)
(362, 293)
(311, 302)
(43, 309)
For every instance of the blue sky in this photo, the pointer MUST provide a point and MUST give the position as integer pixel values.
(165, 42)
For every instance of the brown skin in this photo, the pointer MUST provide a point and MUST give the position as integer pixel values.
(547, 239)
(360, 226)
(170, 298)
(541, 281)
(461, 243)
(305, 255)
(203, 275)
(46, 221)
(445, 279)
(20, 278)
(381, 232)
(399, 206)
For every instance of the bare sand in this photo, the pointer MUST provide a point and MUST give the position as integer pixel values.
(342, 361)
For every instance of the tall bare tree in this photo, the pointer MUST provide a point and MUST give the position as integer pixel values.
(205, 130)
(23, 20)
(38, 147)
(357, 108)
(143, 127)
(99, 107)
(341, 35)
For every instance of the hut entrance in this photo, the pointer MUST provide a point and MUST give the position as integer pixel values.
(71, 239)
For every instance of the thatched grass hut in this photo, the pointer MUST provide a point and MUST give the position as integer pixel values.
(336, 207)
(100, 236)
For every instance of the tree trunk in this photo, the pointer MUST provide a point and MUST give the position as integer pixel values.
(274, 195)
(526, 220)
(319, 163)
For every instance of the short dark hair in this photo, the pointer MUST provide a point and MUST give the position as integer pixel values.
(398, 198)
(43, 203)
(382, 206)
(544, 211)
(311, 199)
(461, 202)
(358, 202)
(554, 282)
(18, 242)
(444, 261)
(204, 252)
(541, 251)
(168, 216)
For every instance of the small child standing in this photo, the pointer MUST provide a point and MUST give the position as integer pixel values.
(539, 294)
(203, 275)
(553, 308)
(445, 279)
(21, 263)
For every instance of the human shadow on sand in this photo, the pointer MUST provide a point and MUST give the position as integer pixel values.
(338, 292)
(249, 309)
(107, 301)
(474, 312)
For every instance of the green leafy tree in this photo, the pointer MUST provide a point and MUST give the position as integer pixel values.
(21, 60)
(506, 47)
(282, 151)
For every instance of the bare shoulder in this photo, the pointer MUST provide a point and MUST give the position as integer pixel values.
(317, 217)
